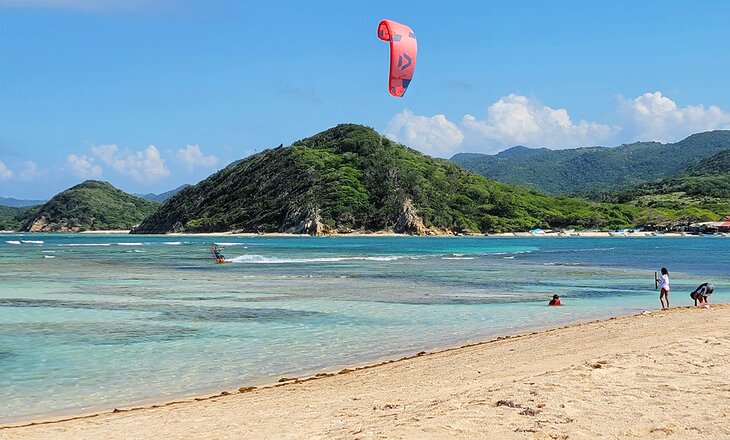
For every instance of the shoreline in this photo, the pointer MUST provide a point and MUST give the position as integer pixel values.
(578, 234)
(295, 376)
(270, 394)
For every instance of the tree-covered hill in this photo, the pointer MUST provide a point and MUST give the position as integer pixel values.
(9, 216)
(350, 178)
(580, 170)
(91, 205)
(700, 193)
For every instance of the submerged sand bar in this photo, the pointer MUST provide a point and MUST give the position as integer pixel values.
(658, 375)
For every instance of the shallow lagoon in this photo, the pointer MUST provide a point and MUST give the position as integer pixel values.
(97, 321)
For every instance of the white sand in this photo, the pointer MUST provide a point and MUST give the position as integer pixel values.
(660, 375)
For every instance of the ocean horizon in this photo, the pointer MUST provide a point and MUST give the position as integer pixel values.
(97, 321)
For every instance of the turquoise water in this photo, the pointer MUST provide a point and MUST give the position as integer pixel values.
(97, 321)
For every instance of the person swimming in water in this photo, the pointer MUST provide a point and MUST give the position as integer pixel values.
(216, 251)
(555, 301)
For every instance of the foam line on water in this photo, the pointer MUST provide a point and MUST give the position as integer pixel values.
(260, 259)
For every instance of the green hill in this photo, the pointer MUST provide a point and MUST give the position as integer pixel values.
(580, 170)
(9, 216)
(350, 178)
(91, 205)
(700, 193)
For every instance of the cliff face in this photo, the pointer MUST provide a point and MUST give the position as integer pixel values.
(91, 205)
(350, 178)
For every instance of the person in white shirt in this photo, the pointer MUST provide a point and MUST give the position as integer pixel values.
(664, 285)
(701, 293)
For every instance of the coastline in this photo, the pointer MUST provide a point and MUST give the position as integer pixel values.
(640, 375)
(578, 234)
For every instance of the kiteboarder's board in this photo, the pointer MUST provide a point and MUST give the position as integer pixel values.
(221, 261)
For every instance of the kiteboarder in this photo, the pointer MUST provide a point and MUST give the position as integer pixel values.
(701, 293)
(216, 251)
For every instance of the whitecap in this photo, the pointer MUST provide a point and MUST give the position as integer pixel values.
(129, 244)
(49, 256)
(12, 242)
(260, 259)
(86, 244)
(173, 243)
(32, 241)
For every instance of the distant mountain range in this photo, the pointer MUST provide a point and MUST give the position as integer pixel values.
(16, 203)
(582, 170)
(350, 178)
(91, 205)
(163, 196)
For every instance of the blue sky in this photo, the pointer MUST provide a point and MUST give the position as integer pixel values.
(152, 94)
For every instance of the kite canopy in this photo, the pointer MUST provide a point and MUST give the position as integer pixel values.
(403, 49)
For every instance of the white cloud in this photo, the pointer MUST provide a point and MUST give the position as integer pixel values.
(519, 120)
(512, 120)
(143, 166)
(516, 119)
(29, 172)
(433, 135)
(5, 173)
(655, 117)
(192, 156)
(83, 166)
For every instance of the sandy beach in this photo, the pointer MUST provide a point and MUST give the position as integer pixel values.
(663, 374)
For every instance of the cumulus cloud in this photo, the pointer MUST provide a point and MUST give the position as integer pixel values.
(512, 120)
(143, 166)
(519, 120)
(83, 166)
(5, 173)
(192, 156)
(516, 119)
(434, 135)
(655, 117)
(29, 172)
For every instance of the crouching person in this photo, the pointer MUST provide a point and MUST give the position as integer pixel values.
(701, 293)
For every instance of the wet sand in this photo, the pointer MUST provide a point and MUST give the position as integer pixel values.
(665, 374)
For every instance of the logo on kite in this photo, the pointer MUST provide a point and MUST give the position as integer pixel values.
(403, 49)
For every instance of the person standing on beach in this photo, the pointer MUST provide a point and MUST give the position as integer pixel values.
(663, 283)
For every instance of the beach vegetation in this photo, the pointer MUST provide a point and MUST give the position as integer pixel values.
(699, 193)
